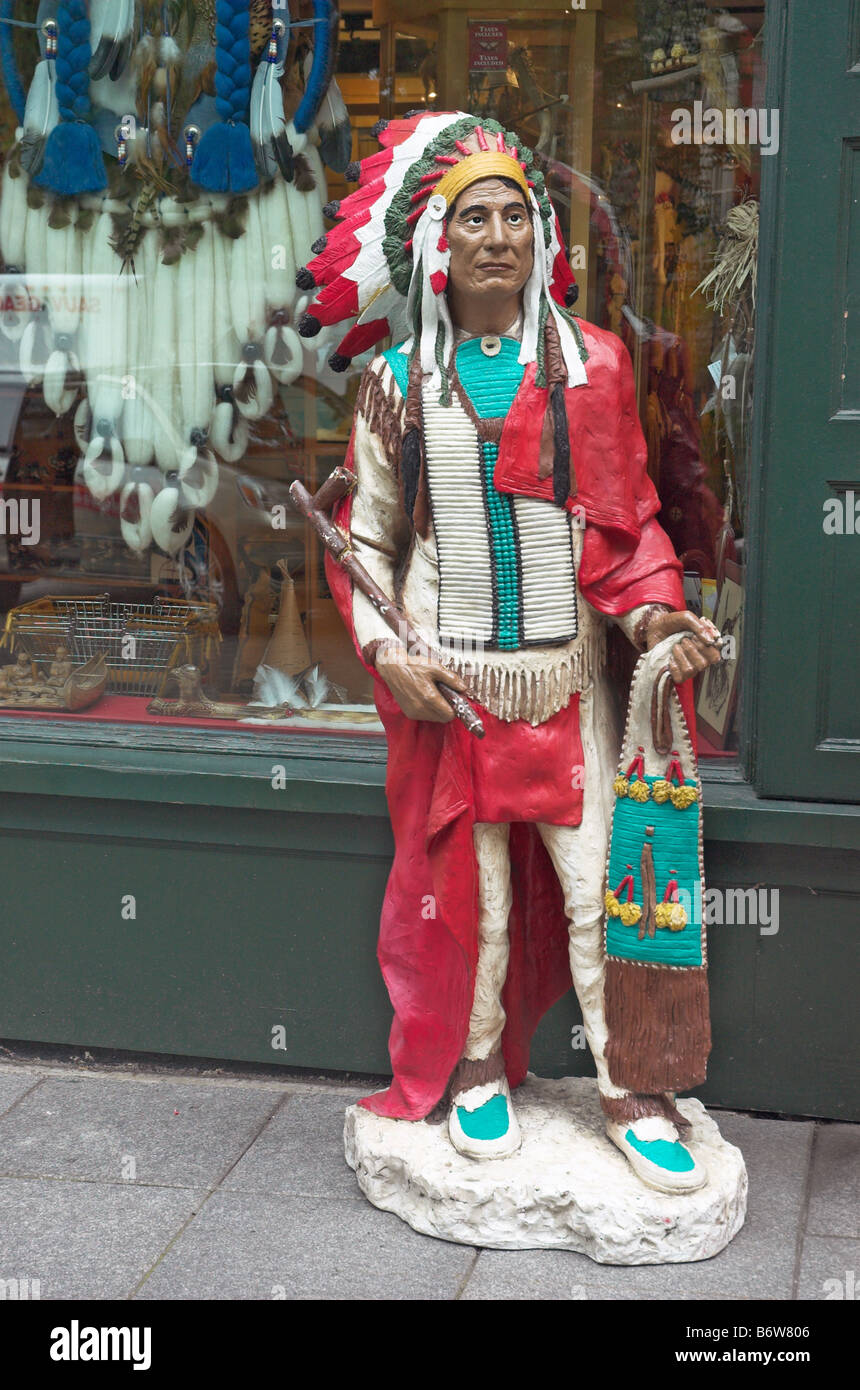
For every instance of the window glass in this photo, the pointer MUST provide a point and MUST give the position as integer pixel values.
(156, 402)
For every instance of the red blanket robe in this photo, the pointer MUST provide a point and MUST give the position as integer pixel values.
(428, 939)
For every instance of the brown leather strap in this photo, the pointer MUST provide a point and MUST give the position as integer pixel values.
(661, 721)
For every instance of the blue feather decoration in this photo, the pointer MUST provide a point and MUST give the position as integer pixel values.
(322, 70)
(11, 75)
(224, 160)
(73, 161)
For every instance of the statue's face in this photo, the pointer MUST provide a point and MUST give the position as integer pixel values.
(491, 239)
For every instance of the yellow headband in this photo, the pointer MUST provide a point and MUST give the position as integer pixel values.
(485, 164)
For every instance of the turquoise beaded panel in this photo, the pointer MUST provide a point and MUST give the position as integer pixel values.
(503, 545)
(490, 382)
(399, 364)
(675, 847)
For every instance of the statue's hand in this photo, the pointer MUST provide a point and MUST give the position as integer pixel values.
(412, 681)
(692, 654)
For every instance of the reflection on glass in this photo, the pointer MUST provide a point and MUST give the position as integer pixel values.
(156, 401)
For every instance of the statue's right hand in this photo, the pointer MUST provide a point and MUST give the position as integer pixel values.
(412, 681)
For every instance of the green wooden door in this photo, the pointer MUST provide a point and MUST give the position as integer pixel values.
(806, 705)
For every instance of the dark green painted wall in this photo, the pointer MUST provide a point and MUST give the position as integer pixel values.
(248, 919)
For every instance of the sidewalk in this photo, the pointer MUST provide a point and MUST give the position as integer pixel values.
(146, 1185)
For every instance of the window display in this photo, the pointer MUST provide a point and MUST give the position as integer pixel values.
(165, 182)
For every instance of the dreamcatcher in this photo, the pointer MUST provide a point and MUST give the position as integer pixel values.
(155, 205)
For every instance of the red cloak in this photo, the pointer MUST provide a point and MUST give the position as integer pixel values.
(437, 781)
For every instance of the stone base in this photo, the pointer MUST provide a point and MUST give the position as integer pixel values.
(568, 1188)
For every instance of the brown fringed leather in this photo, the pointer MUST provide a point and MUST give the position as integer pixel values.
(546, 449)
(556, 457)
(648, 921)
(659, 1026)
(478, 1071)
(661, 719)
(467, 1073)
(624, 1110)
(382, 413)
(413, 419)
(556, 369)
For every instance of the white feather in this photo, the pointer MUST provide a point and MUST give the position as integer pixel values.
(103, 485)
(59, 396)
(99, 19)
(317, 686)
(260, 402)
(13, 218)
(267, 121)
(137, 424)
(283, 353)
(41, 114)
(195, 335)
(105, 327)
(278, 247)
(137, 535)
(201, 495)
(224, 423)
(299, 222)
(166, 507)
(225, 342)
(32, 367)
(273, 687)
(164, 349)
(239, 286)
(317, 197)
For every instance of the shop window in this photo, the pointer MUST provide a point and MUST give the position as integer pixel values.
(146, 445)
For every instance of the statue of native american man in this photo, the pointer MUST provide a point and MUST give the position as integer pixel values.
(501, 499)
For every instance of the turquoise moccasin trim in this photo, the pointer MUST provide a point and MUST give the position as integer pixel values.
(489, 1121)
(673, 1157)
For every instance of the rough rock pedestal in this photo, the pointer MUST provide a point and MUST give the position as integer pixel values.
(568, 1188)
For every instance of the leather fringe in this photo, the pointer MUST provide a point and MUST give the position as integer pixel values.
(383, 412)
(659, 1026)
(624, 1110)
(468, 1072)
(528, 690)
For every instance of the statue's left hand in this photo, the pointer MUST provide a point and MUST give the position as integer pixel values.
(693, 653)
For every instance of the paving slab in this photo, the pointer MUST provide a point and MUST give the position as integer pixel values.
(127, 1129)
(834, 1201)
(300, 1151)
(84, 1240)
(550, 1276)
(14, 1084)
(246, 1246)
(829, 1269)
(759, 1263)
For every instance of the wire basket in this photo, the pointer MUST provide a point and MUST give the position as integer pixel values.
(141, 642)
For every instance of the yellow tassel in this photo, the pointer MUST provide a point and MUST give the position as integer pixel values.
(682, 797)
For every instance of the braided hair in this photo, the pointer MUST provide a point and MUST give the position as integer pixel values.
(224, 159)
(11, 75)
(73, 156)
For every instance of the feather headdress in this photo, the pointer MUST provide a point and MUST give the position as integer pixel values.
(383, 269)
